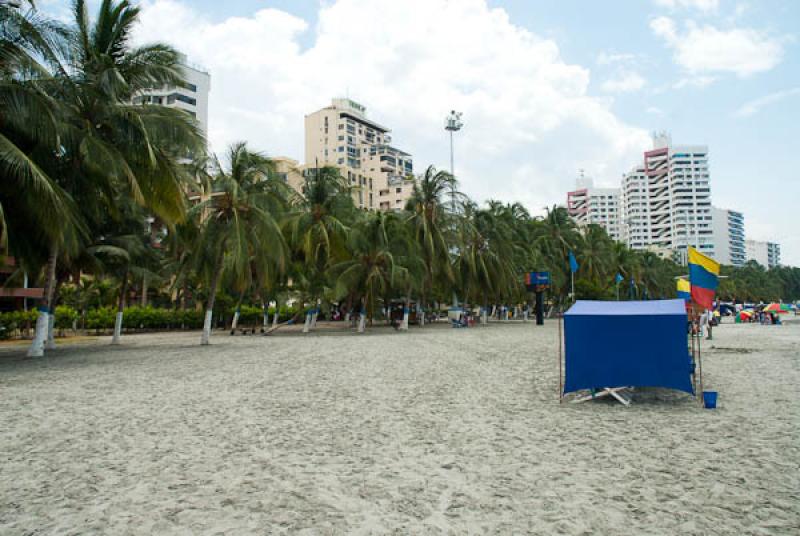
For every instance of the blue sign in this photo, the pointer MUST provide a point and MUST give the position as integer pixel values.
(537, 279)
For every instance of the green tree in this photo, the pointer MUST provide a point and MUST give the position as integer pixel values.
(239, 223)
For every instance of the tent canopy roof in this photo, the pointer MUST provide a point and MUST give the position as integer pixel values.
(628, 308)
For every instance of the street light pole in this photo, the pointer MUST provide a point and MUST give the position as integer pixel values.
(453, 123)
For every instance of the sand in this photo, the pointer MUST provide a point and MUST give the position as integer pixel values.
(437, 431)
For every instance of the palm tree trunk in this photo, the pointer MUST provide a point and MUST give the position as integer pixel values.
(51, 320)
(307, 322)
(185, 295)
(144, 291)
(315, 314)
(236, 313)
(362, 319)
(212, 295)
(43, 321)
(406, 311)
(120, 310)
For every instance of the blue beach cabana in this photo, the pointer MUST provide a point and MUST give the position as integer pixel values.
(613, 345)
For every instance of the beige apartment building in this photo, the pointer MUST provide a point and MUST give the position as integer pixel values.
(341, 135)
(290, 171)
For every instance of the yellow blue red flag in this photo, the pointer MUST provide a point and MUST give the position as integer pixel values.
(684, 289)
(703, 277)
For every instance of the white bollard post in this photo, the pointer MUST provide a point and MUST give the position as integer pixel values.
(307, 323)
(362, 322)
(404, 324)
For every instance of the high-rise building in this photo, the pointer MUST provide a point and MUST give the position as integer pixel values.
(192, 97)
(341, 135)
(587, 204)
(290, 171)
(667, 200)
(729, 247)
(764, 253)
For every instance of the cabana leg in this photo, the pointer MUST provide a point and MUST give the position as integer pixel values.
(617, 392)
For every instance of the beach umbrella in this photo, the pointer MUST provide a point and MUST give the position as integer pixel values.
(776, 308)
(744, 315)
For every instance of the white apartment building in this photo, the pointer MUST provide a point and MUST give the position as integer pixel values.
(729, 243)
(192, 97)
(667, 200)
(341, 135)
(602, 206)
(764, 253)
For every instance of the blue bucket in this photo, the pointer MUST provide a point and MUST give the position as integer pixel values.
(709, 399)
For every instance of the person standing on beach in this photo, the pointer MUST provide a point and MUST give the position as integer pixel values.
(701, 325)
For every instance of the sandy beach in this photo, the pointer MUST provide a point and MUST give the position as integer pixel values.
(437, 431)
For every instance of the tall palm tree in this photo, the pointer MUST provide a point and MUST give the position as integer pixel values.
(429, 219)
(373, 269)
(317, 227)
(556, 236)
(239, 223)
(33, 207)
(595, 250)
(108, 146)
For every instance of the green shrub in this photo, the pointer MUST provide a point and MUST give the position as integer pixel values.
(101, 318)
(65, 317)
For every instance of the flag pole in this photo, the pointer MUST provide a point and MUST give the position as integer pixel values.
(699, 360)
(572, 279)
(560, 396)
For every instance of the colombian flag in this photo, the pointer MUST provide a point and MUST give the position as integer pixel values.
(704, 278)
(684, 289)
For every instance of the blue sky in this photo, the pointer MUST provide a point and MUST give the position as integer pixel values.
(546, 87)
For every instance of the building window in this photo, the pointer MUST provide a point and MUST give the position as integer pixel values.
(190, 87)
(398, 190)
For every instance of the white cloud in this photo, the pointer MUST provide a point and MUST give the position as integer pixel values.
(702, 5)
(530, 122)
(754, 106)
(625, 81)
(694, 81)
(655, 110)
(704, 49)
(610, 58)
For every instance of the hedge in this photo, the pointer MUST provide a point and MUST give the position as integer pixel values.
(134, 318)
(18, 320)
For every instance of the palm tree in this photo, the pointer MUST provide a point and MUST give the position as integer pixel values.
(595, 250)
(429, 220)
(239, 223)
(556, 236)
(316, 228)
(373, 269)
(107, 146)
